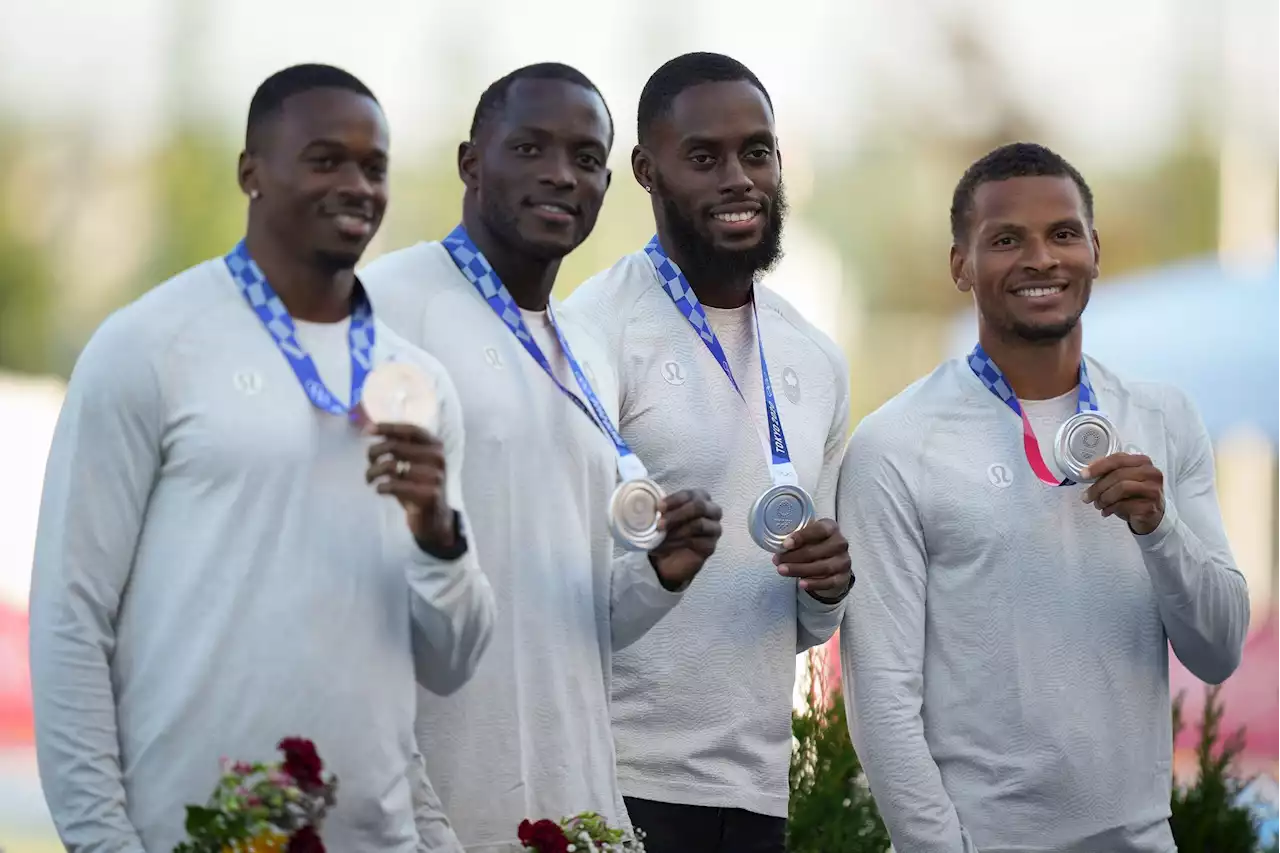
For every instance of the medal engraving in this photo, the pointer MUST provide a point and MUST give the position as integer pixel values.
(1082, 440)
(777, 513)
(633, 515)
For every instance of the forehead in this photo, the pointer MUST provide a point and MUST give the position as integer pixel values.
(721, 110)
(559, 107)
(335, 115)
(1028, 199)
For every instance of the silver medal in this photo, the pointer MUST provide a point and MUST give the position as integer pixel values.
(397, 392)
(777, 513)
(1084, 439)
(633, 515)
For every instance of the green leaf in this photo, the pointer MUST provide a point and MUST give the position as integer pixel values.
(201, 820)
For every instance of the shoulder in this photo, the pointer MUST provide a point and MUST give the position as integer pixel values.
(1162, 402)
(1142, 394)
(899, 427)
(404, 272)
(611, 296)
(133, 340)
(802, 330)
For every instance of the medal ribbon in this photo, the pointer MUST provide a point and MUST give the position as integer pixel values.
(275, 318)
(477, 270)
(991, 375)
(676, 286)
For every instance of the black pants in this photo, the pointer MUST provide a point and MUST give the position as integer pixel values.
(674, 828)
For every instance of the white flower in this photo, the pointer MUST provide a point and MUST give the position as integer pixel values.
(847, 802)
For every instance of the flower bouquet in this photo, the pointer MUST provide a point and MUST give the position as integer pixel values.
(265, 808)
(584, 833)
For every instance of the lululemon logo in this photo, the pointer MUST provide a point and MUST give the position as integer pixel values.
(673, 373)
(248, 382)
(493, 357)
(999, 475)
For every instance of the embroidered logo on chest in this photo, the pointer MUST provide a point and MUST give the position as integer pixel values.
(247, 382)
(791, 385)
(999, 475)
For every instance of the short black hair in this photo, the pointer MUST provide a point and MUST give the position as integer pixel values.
(685, 72)
(295, 80)
(494, 99)
(1015, 160)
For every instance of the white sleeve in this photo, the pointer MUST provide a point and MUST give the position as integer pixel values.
(637, 599)
(1202, 596)
(817, 621)
(882, 651)
(452, 603)
(103, 462)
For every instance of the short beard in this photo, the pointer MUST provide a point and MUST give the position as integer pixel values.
(503, 226)
(336, 262)
(703, 260)
(1044, 335)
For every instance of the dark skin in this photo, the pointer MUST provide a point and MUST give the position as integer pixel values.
(535, 180)
(1034, 232)
(715, 154)
(316, 175)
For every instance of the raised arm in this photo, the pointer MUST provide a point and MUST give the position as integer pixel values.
(451, 602)
(104, 461)
(1202, 596)
(818, 616)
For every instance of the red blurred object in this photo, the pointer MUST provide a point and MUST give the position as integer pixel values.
(17, 721)
(1249, 696)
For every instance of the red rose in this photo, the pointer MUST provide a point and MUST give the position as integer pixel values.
(302, 762)
(305, 840)
(545, 836)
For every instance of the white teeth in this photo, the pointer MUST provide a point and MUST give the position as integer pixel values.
(1042, 291)
(745, 216)
(347, 220)
(553, 208)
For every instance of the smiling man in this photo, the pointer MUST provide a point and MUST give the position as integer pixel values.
(530, 736)
(1032, 532)
(702, 704)
(220, 562)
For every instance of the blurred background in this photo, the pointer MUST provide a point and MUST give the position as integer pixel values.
(120, 124)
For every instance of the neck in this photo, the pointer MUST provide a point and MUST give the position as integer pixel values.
(1035, 370)
(309, 291)
(529, 280)
(711, 290)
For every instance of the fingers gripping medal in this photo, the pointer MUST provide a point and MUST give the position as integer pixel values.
(633, 507)
(397, 392)
(1082, 440)
(784, 507)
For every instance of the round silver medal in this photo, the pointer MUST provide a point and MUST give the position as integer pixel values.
(1084, 439)
(633, 515)
(777, 513)
(396, 392)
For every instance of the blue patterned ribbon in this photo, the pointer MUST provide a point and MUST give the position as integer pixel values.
(991, 375)
(477, 270)
(676, 286)
(275, 318)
